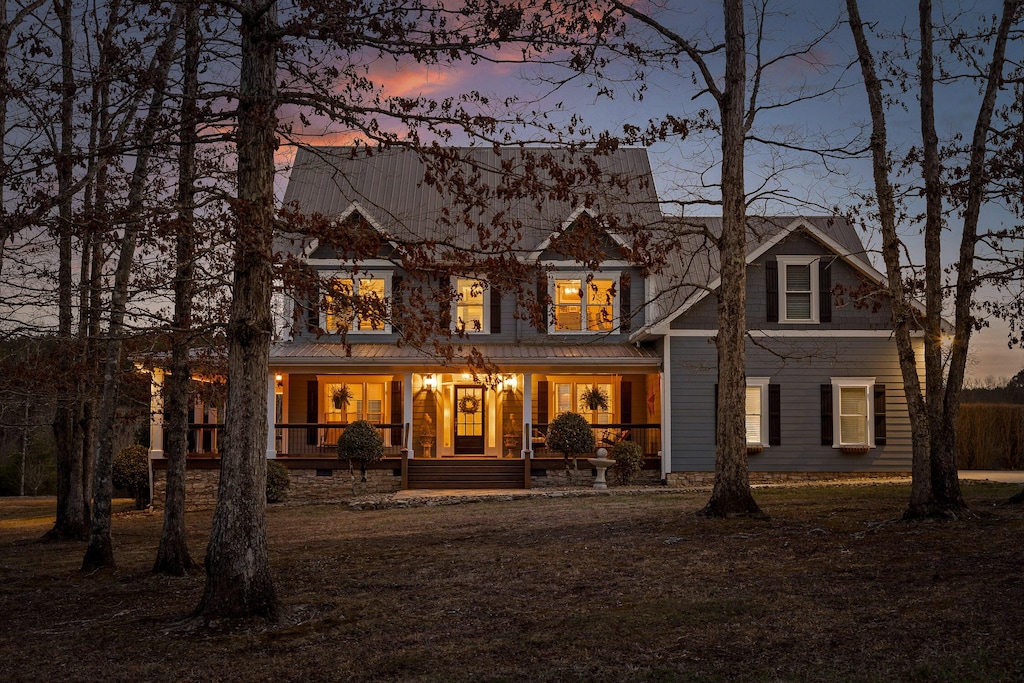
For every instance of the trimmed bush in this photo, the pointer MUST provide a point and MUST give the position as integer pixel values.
(570, 435)
(629, 460)
(131, 473)
(278, 481)
(360, 442)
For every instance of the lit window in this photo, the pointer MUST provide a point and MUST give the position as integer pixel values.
(347, 402)
(580, 397)
(584, 306)
(471, 306)
(853, 411)
(798, 288)
(357, 304)
(757, 411)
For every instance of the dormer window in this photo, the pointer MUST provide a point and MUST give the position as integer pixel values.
(472, 308)
(584, 304)
(357, 303)
(798, 289)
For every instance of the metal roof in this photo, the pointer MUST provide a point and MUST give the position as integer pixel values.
(303, 352)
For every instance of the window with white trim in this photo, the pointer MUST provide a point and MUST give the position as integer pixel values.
(571, 397)
(798, 289)
(357, 303)
(853, 411)
(472, 306)
(584, 303)
(757, 411)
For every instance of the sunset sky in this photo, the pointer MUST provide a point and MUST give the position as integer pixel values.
(801, 184)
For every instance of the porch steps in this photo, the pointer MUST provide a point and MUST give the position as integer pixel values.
(466, 473)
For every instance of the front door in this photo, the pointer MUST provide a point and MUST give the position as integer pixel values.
(469, 420)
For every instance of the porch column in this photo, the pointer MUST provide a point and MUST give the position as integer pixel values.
(666, 409)
(527, 414)
(407, 412)
(156, 414)
(271, 414)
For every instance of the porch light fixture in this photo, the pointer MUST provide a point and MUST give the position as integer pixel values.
(279, 378)
(429, 382)
(510, 383)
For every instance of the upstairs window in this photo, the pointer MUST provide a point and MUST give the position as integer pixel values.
(798, 289)
(357, 303)
(472, 306)
(583, 305)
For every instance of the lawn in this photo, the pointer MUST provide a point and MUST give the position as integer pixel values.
(612, 588)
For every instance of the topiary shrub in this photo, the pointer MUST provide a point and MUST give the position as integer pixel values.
(278, 482)
(360, 442)
(131, 473)
(570, 435)
(629, 460)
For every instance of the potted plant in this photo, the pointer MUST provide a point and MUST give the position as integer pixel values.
(594, 398)
(427, 435)
(511, 437)
(362, 443)
(342, 396)
(571, 435)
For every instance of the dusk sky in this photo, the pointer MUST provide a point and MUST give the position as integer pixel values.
(799, 184)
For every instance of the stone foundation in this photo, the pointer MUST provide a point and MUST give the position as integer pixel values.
(559, 478)
(308, 484)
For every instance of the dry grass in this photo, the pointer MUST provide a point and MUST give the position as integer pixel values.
(608, 588)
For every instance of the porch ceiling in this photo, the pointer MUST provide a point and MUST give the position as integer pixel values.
(315, 353)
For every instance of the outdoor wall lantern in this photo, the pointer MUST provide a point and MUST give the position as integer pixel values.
(429, 382)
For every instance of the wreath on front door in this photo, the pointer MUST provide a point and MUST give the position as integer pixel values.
(469, 404)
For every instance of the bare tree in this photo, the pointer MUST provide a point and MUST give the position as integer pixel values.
(936, 489)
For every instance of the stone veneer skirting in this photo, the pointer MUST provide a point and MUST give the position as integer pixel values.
(324, 481)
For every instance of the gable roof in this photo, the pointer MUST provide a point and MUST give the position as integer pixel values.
(692, 271)
(525, 195)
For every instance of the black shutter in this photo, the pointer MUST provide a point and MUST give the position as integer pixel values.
(397, 312)
(774, 415)
(397, 413)
(771, 290)
(624, 304)
(445, 314)
(313, 310)
(542, 301)
(824, 292)
(542, 402)
(826, 415)
(880, 415)
(626, 401)
(312, 410)
(716, 414)
(495, 311)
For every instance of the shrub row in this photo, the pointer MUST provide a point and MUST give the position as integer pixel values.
(990, 436)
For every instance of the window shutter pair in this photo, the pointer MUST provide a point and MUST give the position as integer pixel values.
(624, 304)
(771, 288)
(827, 430)
(542, 301)
(312, 410)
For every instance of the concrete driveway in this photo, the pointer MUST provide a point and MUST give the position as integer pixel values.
(1006, 476)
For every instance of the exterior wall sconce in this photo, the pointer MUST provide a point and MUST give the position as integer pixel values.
(510, 383)
(429, 382)
(279, 378)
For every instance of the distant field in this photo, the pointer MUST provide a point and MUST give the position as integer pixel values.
(616, 588)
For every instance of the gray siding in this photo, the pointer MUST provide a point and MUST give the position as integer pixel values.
(845, 315)
(806, 364)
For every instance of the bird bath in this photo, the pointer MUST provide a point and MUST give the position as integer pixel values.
(602, 462)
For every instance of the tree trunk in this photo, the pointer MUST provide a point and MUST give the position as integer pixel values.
(172, 556)
(238, 581)
(944, 475)
(902, 313)
(72, 505)
(100, 552)
(731, 494)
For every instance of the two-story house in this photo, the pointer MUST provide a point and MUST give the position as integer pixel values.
(823, 390)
